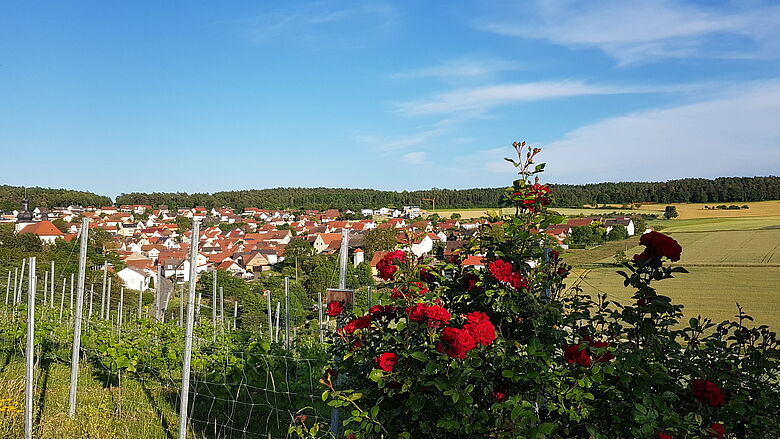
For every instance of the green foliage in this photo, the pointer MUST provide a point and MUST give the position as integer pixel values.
(227, 227)
(670, 212)
(379, 240)
(11, 196)
(61, 225)
(618, 233)
(588, 235)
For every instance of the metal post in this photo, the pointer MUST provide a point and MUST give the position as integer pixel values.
(334, 412)
(62, 300)
(370, 297)
(319, 317)
(8, 288)
(108, 301)
(181, 305)
(185, 379)
(222, 307)
(158, 292)
(51, 302)
(16, 279)
(103, 294)
(140, 298)
(197, 308)
(235, 314)
(29, 351)
(287, 313)
(74, 370)
(121, 305)
(91, 297)
(270, 317)
(278, 306)
(21, 279)
(45, 288)
(343, 257)
(71, 295)
(214, 303)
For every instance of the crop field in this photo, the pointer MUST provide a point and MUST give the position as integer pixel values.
(730, 260)
(759, 210)
(710, 291)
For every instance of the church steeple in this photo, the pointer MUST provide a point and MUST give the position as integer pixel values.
(25, 215)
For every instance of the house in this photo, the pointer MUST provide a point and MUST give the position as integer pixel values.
(474, 261)
(136, 278)
(627, 222)
(358, 256)
(46, 231)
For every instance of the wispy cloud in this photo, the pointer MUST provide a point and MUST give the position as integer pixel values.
(633, 32)
(415, 158)
(385, 145)
(734, 134)
(319, 23)
(477, 100)
(463, 68)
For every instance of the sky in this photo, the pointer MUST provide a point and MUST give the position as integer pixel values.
(197, 96)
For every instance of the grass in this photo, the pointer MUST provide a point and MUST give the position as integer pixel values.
(710, 291)
(102, 412)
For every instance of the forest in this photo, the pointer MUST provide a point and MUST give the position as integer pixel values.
(689, 190)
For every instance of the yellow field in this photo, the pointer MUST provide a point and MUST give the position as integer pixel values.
(710, 291)
(686, 211)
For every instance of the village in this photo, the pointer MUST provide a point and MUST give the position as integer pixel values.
(151, 242)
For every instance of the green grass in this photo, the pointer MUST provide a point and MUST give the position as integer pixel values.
(128, 411)
(710, 291)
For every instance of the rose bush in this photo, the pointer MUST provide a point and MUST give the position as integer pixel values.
(509, 352)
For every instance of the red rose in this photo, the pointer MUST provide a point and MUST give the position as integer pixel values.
(574, 355)
(554, 254)
(387, 267)
(379, 311)
(417, 313)
(718, 431)
(460, 342)
(657, 246)
(471, 281)
(662, 435)
(517, 281)
(437, 316)
(708, 392)
(408, 291)
(480, 328)
(386, 361)
(357, 344)
(335, 308)
(563, 272)
(501, 270)
(349, 328)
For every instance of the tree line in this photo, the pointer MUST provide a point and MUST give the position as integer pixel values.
(688, 190)
(11, 198)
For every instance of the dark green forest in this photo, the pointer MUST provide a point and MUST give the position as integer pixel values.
(11, 197)
(689, 190)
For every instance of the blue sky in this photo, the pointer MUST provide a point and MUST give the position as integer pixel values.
(192, 96)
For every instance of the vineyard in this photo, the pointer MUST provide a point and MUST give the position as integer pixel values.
(242, 384)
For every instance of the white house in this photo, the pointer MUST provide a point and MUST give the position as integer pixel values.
(136, 278)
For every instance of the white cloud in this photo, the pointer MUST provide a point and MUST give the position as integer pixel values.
(415, 158)
(477, 100)
(634, 32)
(735, 134)
(464, 68)
(313, 23)
(385, 145)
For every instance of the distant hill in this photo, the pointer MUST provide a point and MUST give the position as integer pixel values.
(11, 196)
(689, 190)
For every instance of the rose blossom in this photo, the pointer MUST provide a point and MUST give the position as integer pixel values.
(708, 392)
(480, 328)
(718, 431)
(460, 342)
(658, 245)
(386, 361)
(387, 267)
(501, 270)
(335, 308)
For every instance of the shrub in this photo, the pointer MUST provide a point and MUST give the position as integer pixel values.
(507, 351)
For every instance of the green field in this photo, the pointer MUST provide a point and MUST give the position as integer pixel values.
(132, 411)
(730, 260)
